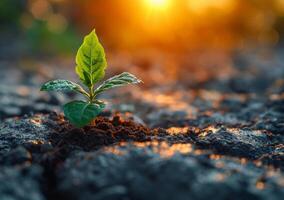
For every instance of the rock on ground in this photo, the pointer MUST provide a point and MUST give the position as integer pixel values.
(141, 173)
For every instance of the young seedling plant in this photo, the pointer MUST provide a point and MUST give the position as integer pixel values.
(91, 64)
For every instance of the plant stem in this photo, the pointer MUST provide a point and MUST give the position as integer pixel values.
(92, 96)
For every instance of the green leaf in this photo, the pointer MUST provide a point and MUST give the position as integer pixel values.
(81, 113)
(119, 80)
(90, 60)
(63, 85)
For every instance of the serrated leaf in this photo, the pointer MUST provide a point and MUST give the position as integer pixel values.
(90, 60)
(119, 80)
(81, 113)
(63, 85)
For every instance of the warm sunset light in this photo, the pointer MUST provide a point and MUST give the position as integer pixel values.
(158, 3)
(141, 99)
(202, 6)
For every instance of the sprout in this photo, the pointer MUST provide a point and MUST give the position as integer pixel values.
(91, 64)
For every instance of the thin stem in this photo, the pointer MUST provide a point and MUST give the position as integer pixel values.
(85, 94)
(92, 96)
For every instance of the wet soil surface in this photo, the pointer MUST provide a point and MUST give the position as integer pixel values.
(222, 138)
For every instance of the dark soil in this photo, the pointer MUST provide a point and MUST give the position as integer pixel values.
(124, 155)
(102, 132)
(217, 139)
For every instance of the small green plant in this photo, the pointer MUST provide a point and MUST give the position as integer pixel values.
(91, 64)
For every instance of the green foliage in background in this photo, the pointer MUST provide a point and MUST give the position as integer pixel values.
(10, 12)
(41, 39)
(91, 64)
(17, 20)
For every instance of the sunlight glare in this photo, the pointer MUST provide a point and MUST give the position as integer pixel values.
(158, 3)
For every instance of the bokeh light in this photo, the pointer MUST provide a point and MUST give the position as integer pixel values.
(183, 25)
(158, 3)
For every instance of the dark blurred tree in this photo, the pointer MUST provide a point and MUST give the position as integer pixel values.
(10, 12)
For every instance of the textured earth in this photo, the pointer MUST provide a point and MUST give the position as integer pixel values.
(217, 138)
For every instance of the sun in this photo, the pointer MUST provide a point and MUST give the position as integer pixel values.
(158, 3)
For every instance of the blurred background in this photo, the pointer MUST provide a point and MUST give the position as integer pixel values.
(167, 37)
(194, 56)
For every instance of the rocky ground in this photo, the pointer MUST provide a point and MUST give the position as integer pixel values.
(222, 138)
